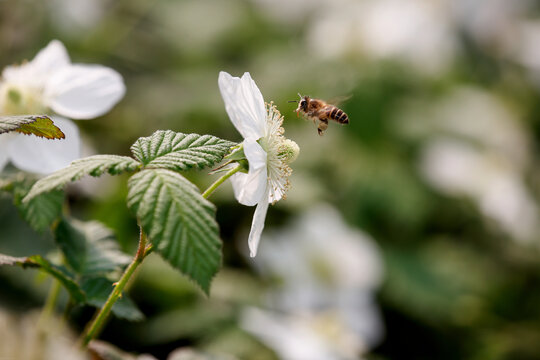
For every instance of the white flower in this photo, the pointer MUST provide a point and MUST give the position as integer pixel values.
(265, 147)
(323, 306)
(303, 336)
(50, 82)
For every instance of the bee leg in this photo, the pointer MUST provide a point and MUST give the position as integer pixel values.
(323, 125)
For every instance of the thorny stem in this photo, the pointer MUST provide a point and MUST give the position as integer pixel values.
(97, 323)
(220, 181)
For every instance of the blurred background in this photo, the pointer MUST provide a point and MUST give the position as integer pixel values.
(411, 233)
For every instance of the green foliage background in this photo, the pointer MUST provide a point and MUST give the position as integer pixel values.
(456, 285)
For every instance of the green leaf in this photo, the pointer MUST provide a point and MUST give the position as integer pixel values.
(36, 261)
(38, 125)
(179, 221)
(177, 151)
(40, 212)
(89, 248)
(97, 291)
(96, 165)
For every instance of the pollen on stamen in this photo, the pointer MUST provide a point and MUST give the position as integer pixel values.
(280, 152)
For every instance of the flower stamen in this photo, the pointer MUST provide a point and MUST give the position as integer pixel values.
(280, 152)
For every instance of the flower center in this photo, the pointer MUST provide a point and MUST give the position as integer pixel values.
(289, 150)
(15, 100)
(279, 153)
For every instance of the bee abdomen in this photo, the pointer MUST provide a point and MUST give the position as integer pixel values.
(339, 116)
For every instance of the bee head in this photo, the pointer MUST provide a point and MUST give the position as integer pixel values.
(303, 103)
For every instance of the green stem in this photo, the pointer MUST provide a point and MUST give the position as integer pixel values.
(69, 306)
(220, 181)
(95, 326)
(50, 303)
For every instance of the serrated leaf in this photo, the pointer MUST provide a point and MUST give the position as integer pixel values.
(89, 248)
(177, 151)
(43, 127)
(179, 221)
(40, 212)
(96, 165)
(36, 261)
(97, 291)
(38, 125)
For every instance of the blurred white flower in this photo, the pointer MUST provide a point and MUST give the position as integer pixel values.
(473, 115)
(417, 32)
(327, 275)
(22, 339)
(267, 150)
(458, 169)
(298, 337)
(51, 82)
(424, 34)
(476, 147)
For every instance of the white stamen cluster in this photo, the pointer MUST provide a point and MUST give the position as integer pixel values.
(279, 151)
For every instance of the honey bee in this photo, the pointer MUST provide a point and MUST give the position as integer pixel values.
(317, 109)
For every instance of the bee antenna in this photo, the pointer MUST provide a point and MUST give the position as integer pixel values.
(293, 101)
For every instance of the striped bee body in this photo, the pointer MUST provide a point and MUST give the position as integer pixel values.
(319, 110)
(336, 114)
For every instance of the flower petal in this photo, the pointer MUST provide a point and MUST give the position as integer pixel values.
(44, 156)
(84, 91)
(53, 57)
(250, 188)
(257, 226)
(34, 73)
(244, 104)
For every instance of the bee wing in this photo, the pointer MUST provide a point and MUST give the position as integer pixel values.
(338, 100)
